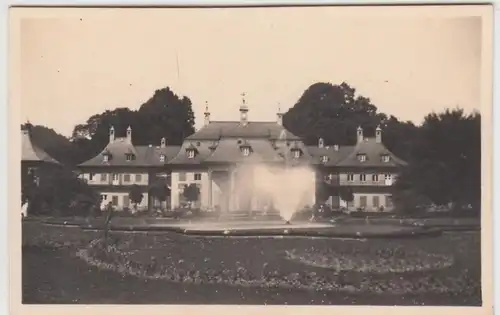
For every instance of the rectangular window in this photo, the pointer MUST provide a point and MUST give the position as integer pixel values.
(376, 201)
(104, 177)
(126, 178)
(197, 176)
(126, 201)
(114, 200)
(362, 201)
(91, 176)
(104, 197)
(115, 176)
(362, 177)
(388, 201)
(182, 176)
(350, 177)
(375, 177)
(388, 176)
(138, 177)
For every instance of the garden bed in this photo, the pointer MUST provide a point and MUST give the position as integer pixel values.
(260, 270)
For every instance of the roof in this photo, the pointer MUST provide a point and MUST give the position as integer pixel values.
(334, 154)
(202, 148)
(32, 153)
(374, 151)
(144, 155)
(234, 129)
(229, 150)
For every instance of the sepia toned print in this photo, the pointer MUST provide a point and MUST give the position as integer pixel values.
(247, 158)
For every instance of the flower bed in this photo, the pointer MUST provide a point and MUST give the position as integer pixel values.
(380, 261)
(199, 265)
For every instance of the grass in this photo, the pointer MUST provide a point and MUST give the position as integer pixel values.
(68, 279)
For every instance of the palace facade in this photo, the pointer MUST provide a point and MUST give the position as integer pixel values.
(221, 159)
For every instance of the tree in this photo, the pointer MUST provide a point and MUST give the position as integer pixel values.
(61, 192)
(159, 190)
(346, 194)
(135, 195)
(56, 145)
(163, 115)
(334, 112)
(446, 159)
(191, 193)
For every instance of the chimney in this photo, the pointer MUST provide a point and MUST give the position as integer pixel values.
(111, 134)
(378, 134)
(163, 142)
(335, 147)
(321, 143)
(129, 134)
(360, 134)
(244, 112)
(207, 114)
(279, 117)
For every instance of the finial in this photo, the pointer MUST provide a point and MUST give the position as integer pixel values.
(243, 97)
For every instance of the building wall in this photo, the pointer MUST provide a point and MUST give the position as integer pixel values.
(371, 178)
(116, 178)
(368, 202)
(119, 200)
(181, 179)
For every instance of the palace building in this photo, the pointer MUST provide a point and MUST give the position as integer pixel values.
(221, 159)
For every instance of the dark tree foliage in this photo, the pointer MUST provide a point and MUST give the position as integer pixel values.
(159, 190)
(334, 112)
(445, 163)
(135, 195)
(61, 192)
(56, 145)
(164, 115)
(346, 194)
(191, 193)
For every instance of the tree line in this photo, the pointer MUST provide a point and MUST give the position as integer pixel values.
(443, 153)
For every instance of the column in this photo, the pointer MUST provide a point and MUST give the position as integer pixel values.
(210, 192)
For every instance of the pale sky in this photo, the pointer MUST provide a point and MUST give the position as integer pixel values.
(81, 64)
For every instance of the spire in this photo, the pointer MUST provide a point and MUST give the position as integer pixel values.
(279, 116)
(111, 134)
(243, 111)
(378, 134)
(207, 114)
(129, 133)
(360, 134)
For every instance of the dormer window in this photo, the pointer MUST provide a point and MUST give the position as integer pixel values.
(245, 147)
(106, 157)
(324, 159)
(190, 153)
(245, 151)
(162, 157)
(130, 157)
(296, 153)
(386, 158)
(362, 157)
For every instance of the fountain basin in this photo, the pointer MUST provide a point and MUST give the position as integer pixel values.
(277, 228)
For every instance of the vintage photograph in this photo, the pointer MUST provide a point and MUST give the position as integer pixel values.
(252, 155)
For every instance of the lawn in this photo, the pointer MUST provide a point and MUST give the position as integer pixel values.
(172, 268)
